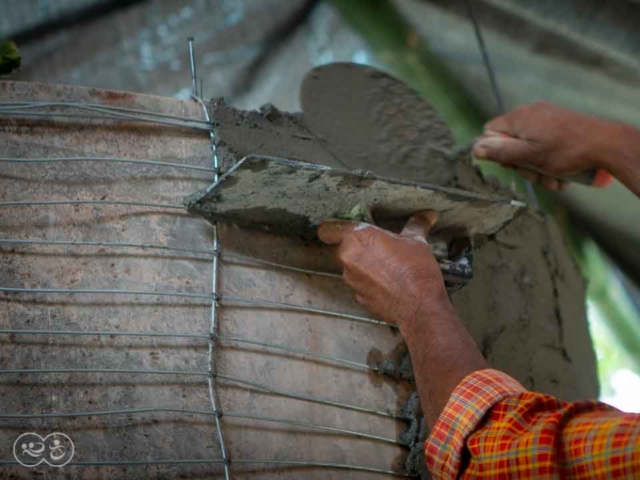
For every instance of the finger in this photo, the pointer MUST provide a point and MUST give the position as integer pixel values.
(488, 132)
(348, 277)
(529, 175)
(503, 149)
(334, 231)
(500, 124)
(563, 185)
(420, 224)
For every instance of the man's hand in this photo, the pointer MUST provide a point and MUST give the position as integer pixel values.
(551, 139)
(393, 276)
(397, 278)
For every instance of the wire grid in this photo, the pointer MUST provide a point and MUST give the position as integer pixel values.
(216, 255)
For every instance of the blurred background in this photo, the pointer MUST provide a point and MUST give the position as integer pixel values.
(578, 53)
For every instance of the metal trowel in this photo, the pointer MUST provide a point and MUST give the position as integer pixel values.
(372, 121)
(388, 186)
(293, 198)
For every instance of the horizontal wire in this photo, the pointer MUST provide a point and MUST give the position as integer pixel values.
(195, 373)
(30, 371)
(98, 106)
(104, 159)
(98, 291)
(242, 461)
(302, 308)
(315, 426)
(363, 366)
(209, 296)
(234, 298)
(309, 398)
(115, 333)
(106, 413)
(29, 203)
(135, 411)
(144, 246)
(131, 463)
(280, 265)
(102, 117)
(222, 338)
(107, 114)
(301, 463)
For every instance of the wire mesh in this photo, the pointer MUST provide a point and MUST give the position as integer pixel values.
(209, 339)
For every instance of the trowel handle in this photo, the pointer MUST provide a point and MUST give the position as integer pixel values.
(592, 178)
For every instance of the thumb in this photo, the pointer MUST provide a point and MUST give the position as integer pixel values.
(504, 149)
(420, 224)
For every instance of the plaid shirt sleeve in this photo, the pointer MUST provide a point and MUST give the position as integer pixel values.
(492, 427)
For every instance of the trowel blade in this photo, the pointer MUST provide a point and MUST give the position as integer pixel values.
(372, 121)
(290, 197)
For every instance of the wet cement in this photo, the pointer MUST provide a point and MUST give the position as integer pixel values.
(294, 198)
(525, 308)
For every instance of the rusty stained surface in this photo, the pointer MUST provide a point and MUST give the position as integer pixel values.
(167, 436)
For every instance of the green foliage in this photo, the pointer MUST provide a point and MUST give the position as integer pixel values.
(9, 57)
(615, 331)
(404, 52)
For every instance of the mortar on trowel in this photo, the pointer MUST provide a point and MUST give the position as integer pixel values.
(383, 134)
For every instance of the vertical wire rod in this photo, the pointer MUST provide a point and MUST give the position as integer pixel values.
(485, 56)
(494, 84)
(192, 64)
(213, 325)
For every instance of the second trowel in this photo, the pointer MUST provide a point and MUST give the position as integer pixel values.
(372, 121)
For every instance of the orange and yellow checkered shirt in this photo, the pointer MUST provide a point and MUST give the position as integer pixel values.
(492, 427)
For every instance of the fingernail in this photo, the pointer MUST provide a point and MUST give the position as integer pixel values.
(480, 152)
(484, 147)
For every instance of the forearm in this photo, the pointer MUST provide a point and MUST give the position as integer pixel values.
(442, 353)
(621, 155)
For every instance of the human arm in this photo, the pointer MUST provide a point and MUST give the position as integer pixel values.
(483, 423)
(561, 142)
(493, 427)
(398, 279)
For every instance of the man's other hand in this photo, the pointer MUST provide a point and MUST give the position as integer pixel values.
(550, 138)
(394, 276)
